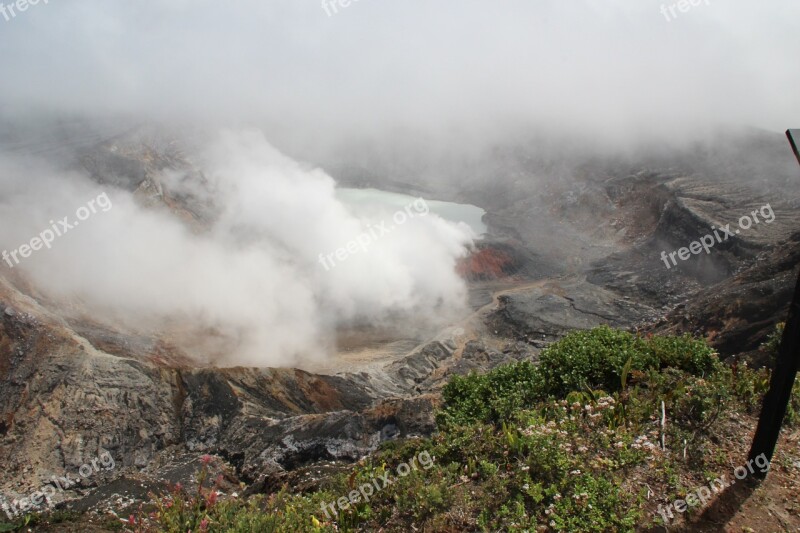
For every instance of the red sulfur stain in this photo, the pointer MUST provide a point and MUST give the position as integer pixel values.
(488, 263)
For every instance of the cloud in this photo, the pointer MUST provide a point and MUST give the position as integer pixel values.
(609, 69)
(250, 290)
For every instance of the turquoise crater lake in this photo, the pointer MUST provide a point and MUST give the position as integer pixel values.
(466, 213)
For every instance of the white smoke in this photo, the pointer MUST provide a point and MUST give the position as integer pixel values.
(251, 290)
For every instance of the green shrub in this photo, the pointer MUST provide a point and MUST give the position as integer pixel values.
(599, 506)
(749, 385)
(774, 340)
(491, 397)
(686, 353)
(599, 359)
(793, 410)
(593, 359)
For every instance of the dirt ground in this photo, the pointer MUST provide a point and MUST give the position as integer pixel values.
(767, 507)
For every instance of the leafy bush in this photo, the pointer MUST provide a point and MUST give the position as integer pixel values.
(493, 396)
(686, 353)
(583, 361)
(793, 410)
(774, 340)
(593, 359)
(599, 507)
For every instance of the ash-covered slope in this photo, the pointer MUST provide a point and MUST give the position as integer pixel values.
(62, 399)
(608, 226)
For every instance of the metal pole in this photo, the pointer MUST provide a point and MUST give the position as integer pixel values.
(785, 371)
(794, 140)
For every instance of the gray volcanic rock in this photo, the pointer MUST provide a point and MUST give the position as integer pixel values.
(546, 313)
(418, 366)
(477, 357)
(690, 209)
(299, 440)
(737, 314)
(61, 400)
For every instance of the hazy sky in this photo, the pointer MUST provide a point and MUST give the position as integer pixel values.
(609, 67)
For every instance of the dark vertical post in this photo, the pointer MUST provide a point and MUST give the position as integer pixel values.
(794, 140)
(785, 371)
